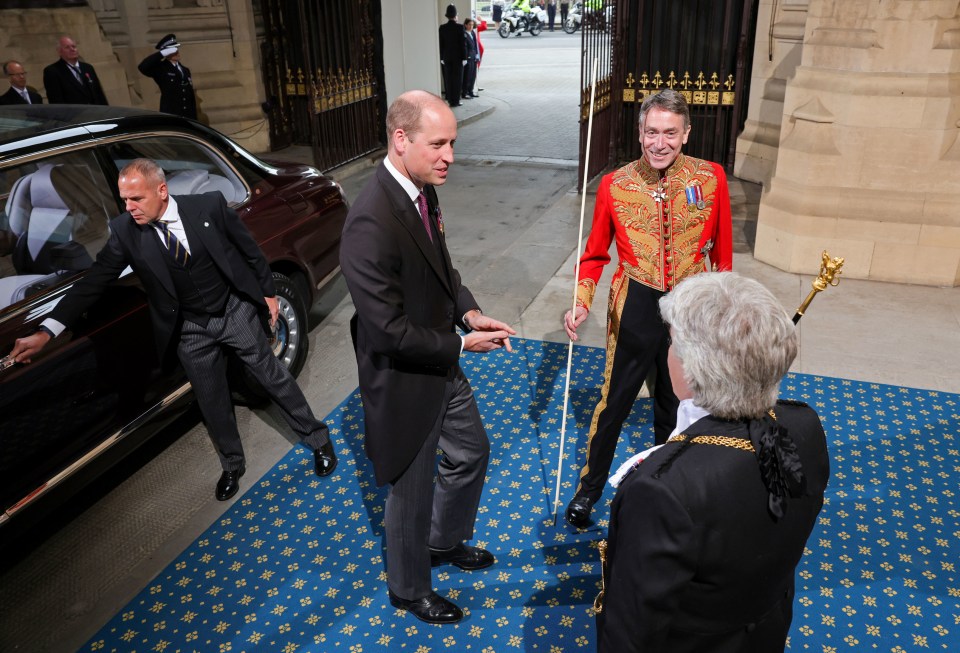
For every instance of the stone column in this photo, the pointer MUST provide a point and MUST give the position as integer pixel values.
(777, 49)
(869, 164)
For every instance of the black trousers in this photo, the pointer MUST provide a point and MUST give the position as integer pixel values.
(202, 351)
(469, 77)
(453, 80)
(637, 341)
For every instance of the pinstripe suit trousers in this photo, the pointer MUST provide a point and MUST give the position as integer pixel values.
(420, 515)
(202, 351)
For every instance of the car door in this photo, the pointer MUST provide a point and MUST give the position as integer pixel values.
(101, 374)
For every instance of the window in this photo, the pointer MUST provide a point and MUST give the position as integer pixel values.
(190, 167)
(54, 220)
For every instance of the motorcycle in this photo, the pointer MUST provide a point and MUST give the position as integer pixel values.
(574, 18)
(516, 22)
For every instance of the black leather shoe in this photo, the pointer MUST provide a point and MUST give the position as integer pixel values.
(324, 459)
(466, 557)
(229, 483)
(578, 512)
(433, 608)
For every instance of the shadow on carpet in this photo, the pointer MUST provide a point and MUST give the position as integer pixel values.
(297, 563)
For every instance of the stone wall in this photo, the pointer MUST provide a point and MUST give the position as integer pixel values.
(219, 46)
(31, 37)
(868, 163)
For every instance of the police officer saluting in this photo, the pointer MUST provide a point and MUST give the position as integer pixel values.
(174, 80)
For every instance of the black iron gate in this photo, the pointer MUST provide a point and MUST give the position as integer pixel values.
(702, 48)
(597, 24)
(323, 70)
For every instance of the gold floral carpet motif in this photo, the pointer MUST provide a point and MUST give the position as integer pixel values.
(296, 564)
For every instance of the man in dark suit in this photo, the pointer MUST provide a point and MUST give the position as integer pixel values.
(18, 93)
(707, 531)
(210, 290)
(69, 80)
(173, 78)
(409, 301)
(473, 58)
(453, 56)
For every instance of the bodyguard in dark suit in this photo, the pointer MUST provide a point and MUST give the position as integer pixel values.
(19, 93)
(706, 532)
(210, 291)
(69, 80)
(173, 78)
(409, 301)
(453, 52)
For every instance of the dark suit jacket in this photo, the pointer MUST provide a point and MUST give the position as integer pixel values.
(453, 48)
(176, 89)
(207, 217)
(695, 561)
(14, 97)
(408, 298)
(471, 44)
(62, 87)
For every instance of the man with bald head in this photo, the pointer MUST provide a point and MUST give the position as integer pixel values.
(19, 93)
(409, 302)
(69, 80)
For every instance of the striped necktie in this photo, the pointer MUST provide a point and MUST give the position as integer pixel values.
(174, 246)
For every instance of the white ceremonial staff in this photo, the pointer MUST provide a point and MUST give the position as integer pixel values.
(576, 278)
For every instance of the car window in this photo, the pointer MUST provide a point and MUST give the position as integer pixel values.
(190, 167)
(54, 218)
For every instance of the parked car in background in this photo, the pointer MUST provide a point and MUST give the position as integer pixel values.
(101, 384)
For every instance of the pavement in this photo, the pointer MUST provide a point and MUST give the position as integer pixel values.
(512, 214)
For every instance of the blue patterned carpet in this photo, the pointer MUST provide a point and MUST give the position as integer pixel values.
(297, 564)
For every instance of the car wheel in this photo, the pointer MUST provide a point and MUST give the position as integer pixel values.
(291, 341)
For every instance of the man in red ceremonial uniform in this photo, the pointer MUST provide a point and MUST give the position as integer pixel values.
(670, 216)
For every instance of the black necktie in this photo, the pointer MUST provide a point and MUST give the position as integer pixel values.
(174, 246)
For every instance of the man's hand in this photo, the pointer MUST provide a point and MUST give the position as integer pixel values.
(274, 307)
(25, 348)
(571, 321)
(487, 333)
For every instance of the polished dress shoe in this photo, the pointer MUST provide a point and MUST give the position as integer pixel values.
(324, 459)
(578, 512)
(433, 608)
(229, 483)
(466, 557)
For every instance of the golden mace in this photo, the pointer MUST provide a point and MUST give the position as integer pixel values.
(830, 269)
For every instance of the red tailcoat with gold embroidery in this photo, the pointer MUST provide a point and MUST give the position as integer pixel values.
(661, 237)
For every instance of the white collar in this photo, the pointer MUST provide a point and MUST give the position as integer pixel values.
(408, 186)
(172, 214)
(687, 413)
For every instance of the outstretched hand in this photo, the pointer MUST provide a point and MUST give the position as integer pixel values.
(487, 334)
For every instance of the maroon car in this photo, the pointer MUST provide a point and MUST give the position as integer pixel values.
(101, 384)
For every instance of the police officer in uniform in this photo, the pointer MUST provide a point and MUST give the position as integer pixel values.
(173, 78)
